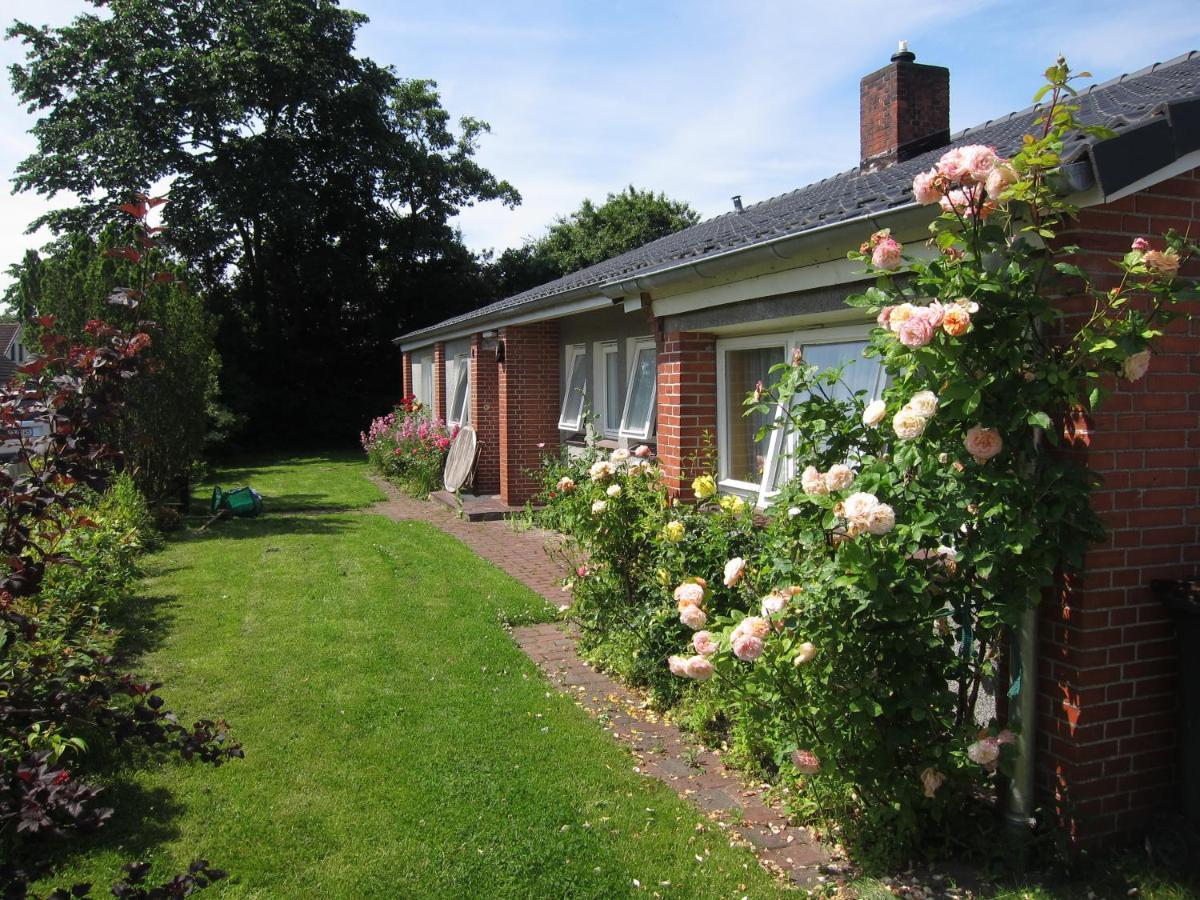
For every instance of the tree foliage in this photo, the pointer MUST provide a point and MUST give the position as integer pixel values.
(592, 234)
(169, 411)
(312, 189)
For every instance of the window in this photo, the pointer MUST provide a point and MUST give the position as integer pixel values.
(458, 380)
(760, 467)
(638, 418)
(570, 418)
(422, 377)
(610, 387)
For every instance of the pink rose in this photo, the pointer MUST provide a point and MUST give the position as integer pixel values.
(999, 179)
(747, 647)
(1140, 244)
(916, 331)
(693, 617)
(813, 482)
(583, 571)
(979, 161)
(925, 189)
(774, 602)
(886, 254)
(678, 666)
(934, 313)
(983, 443)
(884, 317)
(754, 626)
(839, 477)
(641, 451)
(689, 594)
(985, 752)
(1162, 262)
(704, 643)
(806, 761)
(734, 569)
(953, 164)
(1135, 366)
(699, 668)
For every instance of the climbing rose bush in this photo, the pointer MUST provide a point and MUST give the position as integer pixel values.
(925, 523)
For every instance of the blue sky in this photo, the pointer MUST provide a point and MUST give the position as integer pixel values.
(699, 99)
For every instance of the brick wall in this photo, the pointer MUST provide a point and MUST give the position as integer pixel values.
(687, 406)
(529, 406)
(1106, 686)
(406, 379)
(485, 415)
(904, 110)
(439, 380)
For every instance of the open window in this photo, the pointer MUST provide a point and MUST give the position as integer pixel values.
(637, 420)
(458, 381)
(760, 467)
(609, 379)
(570, 417)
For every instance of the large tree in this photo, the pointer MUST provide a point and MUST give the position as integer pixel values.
(592, 234)
(311, 189)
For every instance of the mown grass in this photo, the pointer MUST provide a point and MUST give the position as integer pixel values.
(398, 743)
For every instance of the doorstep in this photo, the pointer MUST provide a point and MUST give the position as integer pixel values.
(475, 509)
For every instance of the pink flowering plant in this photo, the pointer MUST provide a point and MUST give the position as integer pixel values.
(409, 446)
(924, 524)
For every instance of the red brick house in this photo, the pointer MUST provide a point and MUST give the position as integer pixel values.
(663, 342)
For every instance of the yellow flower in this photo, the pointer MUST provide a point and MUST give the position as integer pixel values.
(704, 487)
(674, 531)
(732, 503)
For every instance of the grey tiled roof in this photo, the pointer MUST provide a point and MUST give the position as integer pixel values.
(1122, 104)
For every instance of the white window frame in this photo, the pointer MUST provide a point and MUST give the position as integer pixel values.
(425, 394)
(646, 429)
(574, 353)
(601, 351)
(461, 360)
(776, 452)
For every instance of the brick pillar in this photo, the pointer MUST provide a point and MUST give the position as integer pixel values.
(687, 406)
(529, 406)
(1107, 748)
(485, 415)
(439, 380)
(406, 379)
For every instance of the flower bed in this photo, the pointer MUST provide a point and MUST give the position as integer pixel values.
(409, 447)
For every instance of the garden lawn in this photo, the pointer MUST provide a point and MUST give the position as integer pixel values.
(398, 743)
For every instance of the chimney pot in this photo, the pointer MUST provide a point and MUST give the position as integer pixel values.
(904, 110)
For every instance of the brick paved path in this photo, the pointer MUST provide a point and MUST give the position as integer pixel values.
(660, 749)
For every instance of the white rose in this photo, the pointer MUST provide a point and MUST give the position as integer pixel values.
(772, 603)
(614, 490)
(620, 455)
(734, 569)
(874, 413)
(599, 506)
(908, 425)
(881, 519)
(924, 404)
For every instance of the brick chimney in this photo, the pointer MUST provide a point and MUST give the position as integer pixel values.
(904, 110)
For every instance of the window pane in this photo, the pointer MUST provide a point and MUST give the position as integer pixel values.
(572, 408)
(861, 374)
(462, 374)
(614, 395)
(641, 396)
(743, 370)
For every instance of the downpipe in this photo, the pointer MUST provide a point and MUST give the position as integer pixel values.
(1023, 713)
